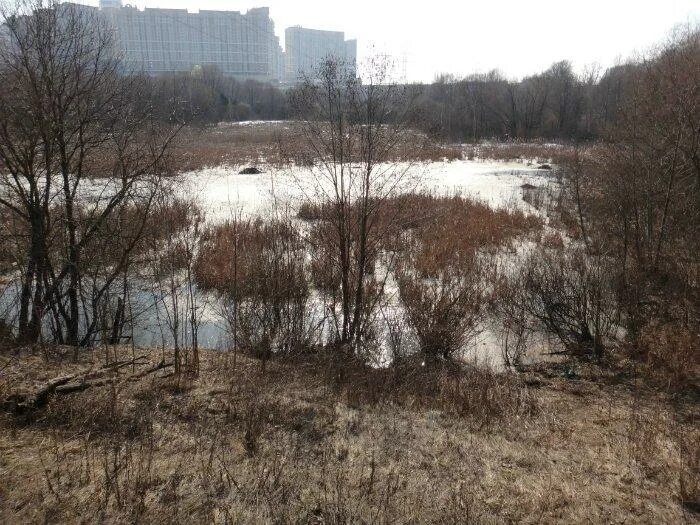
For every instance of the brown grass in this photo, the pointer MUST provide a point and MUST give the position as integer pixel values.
(233, 145)
(241, 254)
(314, 211)
(278, 143)
(444, 271)
(468, 222)
(295, 444)
(672, 352)
(445, 225)
(536, 152)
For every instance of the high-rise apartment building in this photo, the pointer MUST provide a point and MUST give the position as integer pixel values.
(306, 49)
(242, 45)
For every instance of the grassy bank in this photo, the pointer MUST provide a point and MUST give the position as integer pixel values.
(309, 441)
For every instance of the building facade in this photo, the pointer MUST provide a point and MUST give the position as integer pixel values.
(306, 49)
(156, 41)
(240, 45)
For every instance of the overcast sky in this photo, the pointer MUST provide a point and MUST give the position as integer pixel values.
(465, 36)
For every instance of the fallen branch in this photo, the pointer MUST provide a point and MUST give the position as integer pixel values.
(84, 385)
(114, 366)
(7, 365)
(159, 366)
(20, 404)
(76, 383)
(42, 395)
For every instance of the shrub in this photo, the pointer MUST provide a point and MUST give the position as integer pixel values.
(312, 211)
(443, 305)
(259, 268)
(672, 351)
(441, 274)
(569, 294)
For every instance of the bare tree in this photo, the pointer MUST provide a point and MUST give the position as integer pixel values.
(352, 131)
(174, 245)
(70, 116)
(637, 197)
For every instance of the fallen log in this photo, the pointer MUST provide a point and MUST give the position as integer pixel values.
(21, 403)
(64, 385)
(84, 385)
(42, 395)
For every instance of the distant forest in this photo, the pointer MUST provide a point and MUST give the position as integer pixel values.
(555, 104)
(206, 96)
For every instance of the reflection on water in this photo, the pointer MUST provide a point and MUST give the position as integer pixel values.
(223, 194)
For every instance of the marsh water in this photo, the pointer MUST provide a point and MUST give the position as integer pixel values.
(223, 193)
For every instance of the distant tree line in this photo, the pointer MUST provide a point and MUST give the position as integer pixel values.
(206, 96)
(555, 104)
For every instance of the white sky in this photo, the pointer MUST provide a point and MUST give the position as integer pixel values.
(518, 37)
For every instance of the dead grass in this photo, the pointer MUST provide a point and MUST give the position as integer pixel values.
(298, 443)
(233, 145)
(455, 223)
(446, 220)
(535, 152)
(242, 255)
(672, 352)
(274, 143)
